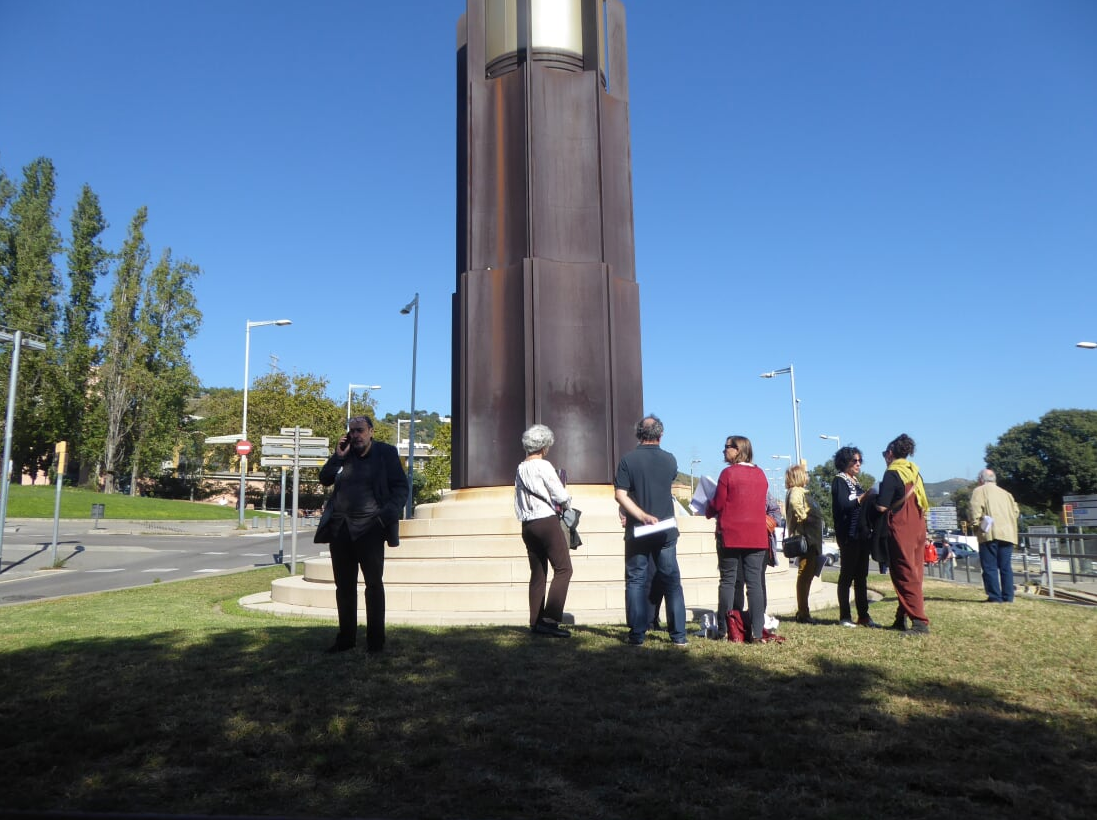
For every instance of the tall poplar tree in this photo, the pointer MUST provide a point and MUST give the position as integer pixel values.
(120, 374)
(88, 262)
(29, 303)
(7, 192)
(164, 380)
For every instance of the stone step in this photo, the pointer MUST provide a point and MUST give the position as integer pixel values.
(457, 565)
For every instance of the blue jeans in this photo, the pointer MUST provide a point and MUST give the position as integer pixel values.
(667, 576)
(996, 561)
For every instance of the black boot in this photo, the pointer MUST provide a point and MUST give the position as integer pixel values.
(900, 624)
(917, 628)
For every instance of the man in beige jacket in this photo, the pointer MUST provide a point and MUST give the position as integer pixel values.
(995, 514)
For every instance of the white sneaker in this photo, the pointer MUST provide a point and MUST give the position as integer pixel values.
(847, 622)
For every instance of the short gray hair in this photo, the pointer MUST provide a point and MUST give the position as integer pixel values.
(987, 476)
(537, 438)
(649, 428)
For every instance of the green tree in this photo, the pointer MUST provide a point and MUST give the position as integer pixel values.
(217, 412)
(278, 400)
(88, 262)
(164, 381)
(1040, 462)
(7, 238)
(28, 303)
(436, 472)
(120, 376)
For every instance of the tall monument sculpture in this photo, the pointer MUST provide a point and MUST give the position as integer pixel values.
(546, 315)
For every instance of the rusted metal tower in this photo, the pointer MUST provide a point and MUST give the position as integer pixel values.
(546, 316)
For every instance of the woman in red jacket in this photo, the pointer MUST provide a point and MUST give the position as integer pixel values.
(742, 540)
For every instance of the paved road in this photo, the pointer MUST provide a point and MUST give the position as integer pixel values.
(117, 555)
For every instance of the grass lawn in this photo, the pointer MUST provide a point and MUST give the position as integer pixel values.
(38, 502)
(171, 699)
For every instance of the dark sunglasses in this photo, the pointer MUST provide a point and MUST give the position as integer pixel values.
(857, 461)
(730, 447)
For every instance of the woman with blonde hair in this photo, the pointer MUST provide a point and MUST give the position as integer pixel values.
(803, 517)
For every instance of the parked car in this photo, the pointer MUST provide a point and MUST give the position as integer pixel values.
(830, 553)
(963, 551)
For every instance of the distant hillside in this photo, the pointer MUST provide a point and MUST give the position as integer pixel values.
(943, 490)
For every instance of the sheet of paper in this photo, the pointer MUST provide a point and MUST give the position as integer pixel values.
(651, 529)
(706, 488)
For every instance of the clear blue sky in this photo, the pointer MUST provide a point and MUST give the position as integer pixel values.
(898, 198)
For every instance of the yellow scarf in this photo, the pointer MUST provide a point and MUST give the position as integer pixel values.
(908, 473)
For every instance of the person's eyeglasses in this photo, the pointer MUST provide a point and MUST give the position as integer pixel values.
(884, 454)
(856, 461)
(730, 447)
(357, 430)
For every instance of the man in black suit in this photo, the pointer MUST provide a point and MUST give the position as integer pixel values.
(370, 492)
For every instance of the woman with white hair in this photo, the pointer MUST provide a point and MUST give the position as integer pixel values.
(538, 494)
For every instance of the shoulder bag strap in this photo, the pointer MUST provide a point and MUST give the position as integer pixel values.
(518, 475)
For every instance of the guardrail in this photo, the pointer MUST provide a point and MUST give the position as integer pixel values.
(1071, 558)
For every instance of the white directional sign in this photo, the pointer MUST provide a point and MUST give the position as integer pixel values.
(287, 461)
(288, 441)
(280, 450)
(289, 431)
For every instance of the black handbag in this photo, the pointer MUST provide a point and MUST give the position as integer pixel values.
(795, 546)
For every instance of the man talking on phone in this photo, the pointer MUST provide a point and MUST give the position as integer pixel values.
(371, 490)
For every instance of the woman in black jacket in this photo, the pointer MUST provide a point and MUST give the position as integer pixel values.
(847, 497)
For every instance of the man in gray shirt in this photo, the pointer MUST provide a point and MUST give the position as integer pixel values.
(643, 490)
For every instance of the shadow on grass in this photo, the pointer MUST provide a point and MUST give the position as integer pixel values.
(492, 722)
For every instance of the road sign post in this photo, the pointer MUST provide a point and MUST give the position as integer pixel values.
(295, 448)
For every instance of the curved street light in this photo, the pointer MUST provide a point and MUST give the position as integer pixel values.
(1087, 345)
(837, 441)
(244, 426)
(795, 404)
(351, 387)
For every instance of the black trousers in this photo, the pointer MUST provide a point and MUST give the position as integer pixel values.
(348, 556)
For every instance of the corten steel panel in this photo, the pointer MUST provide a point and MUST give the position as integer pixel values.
(565, 190)
(617, 67)
(494, 364)
(618, 237)
(568, 357)
(551, 334)
(628, 397)
(497, 206)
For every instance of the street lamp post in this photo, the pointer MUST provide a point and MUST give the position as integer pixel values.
(837, 441)
(351, 387)
(413, 304)
(778, 477)
(244, 425)
(692, 485)
(795, 404)
(18, 343)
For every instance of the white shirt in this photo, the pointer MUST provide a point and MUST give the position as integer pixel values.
(536, 475)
